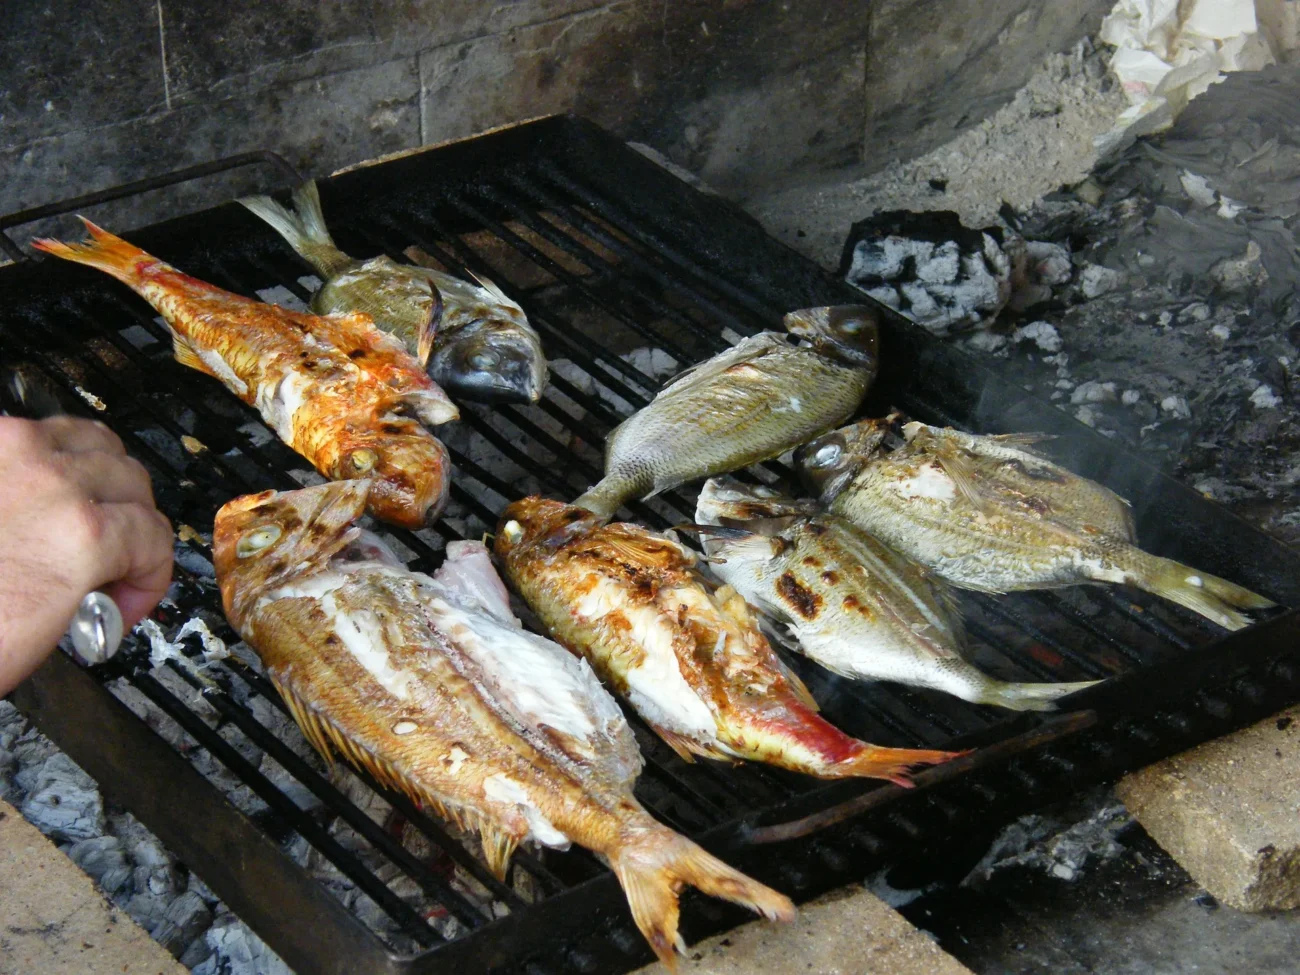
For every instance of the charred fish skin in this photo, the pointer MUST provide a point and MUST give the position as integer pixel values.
(335, 389)
(981, 525)
(750, 403)
(481, 346)
(853, 604)
(693, 663)
(432, 685)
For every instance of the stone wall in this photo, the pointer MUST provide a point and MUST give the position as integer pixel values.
(748, 93)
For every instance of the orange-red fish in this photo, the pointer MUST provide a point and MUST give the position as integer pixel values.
(345, 395)
(432, 685)
(692, 662)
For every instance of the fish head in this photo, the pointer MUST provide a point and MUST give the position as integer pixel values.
(260, 541)
(409, 470)
(830, 461)
(850, 333)
(749, 516)
(541, 522)
(495, 359)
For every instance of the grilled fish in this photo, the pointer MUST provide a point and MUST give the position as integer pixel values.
(748, 404)
(854, 605)
(693, 663)
(336, 389)
(985, 514)
(431, 685)
(482, 348)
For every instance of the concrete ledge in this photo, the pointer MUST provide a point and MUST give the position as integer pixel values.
(1229, 812)
(849, 932)
(54, 922)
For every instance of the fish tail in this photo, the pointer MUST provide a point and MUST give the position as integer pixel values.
(893, 764)
(1026, 696)
(105, 251)
(655, 864)
(608, 496)
(303, 227)
(1216, 599)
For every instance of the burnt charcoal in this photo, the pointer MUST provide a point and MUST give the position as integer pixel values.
(183, 920)
(62, 800)
(104, 860)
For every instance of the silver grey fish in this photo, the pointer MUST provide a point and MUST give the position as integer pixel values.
(985, 514)
(748, 404)
(482, 345)
(852, 603)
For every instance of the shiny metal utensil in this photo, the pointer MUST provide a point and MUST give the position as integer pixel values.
(96, 628)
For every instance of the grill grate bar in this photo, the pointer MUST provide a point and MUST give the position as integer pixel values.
(1007, 613)
(347, 863)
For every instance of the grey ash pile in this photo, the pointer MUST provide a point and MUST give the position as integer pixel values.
(1174, 326)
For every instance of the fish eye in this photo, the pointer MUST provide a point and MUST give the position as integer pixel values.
(827, 455)
(256, 539)
(362, 461)
(484, 360)
(513, 531)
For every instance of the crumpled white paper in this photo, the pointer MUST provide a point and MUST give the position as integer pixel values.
(1170, 51)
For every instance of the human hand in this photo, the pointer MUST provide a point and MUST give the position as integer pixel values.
(76, 514)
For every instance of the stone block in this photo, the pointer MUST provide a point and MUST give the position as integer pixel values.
(849, 931)
(1229, 812)
(67, 64)
(935, 67)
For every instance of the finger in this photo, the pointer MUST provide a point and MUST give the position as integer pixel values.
(106, 478)
(73, 434)
(129, 556)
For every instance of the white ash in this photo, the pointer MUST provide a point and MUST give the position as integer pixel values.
(1095, 280)
(1131, 397)
(1264, 398)
(236, 950)
(61, 800)
(1093, 392)
(990, 342)
(1041, 843)
(1042, 334)
(1176, 406)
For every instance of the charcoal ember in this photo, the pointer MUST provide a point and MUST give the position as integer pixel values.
(104, 860)
(62, 800)
(236, 950)
(185, 918)
(932, 269)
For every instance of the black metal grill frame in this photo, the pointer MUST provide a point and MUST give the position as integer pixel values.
(665, 265)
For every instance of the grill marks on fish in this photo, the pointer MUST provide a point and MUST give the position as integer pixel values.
(881, 617)
(801, 600)
(692, 662)
(334, 388)
(432, 685)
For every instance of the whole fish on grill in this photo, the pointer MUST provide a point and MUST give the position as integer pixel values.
(483, 347)
(335, 388)
(692, 662)
(748, 404)
(986, 514)
(432, 685)
(851, 602)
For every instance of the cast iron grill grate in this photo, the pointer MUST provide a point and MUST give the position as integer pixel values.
(627, 273)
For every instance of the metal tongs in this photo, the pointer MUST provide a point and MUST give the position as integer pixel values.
(96, 628)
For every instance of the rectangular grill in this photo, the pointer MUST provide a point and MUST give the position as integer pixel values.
(607, 253)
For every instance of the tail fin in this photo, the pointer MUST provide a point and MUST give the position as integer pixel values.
(653, 866)
(302, 227)
(892, 764)
(1027, 697)
(1216, 599)
(105, 251)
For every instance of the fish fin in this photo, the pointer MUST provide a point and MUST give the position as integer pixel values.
(645, 549)
(797, 686)
(688, 748)
(491, 287)
(104, 251)
(308, 723)
(1017, 696)
(962, 474)
(654, 864)
(746, 350)
(892, 764)
(303, 227)
(1216, 599)
(1021, 439)
(431, 406)
(184, 353)
(498, 848)
(428, 329)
